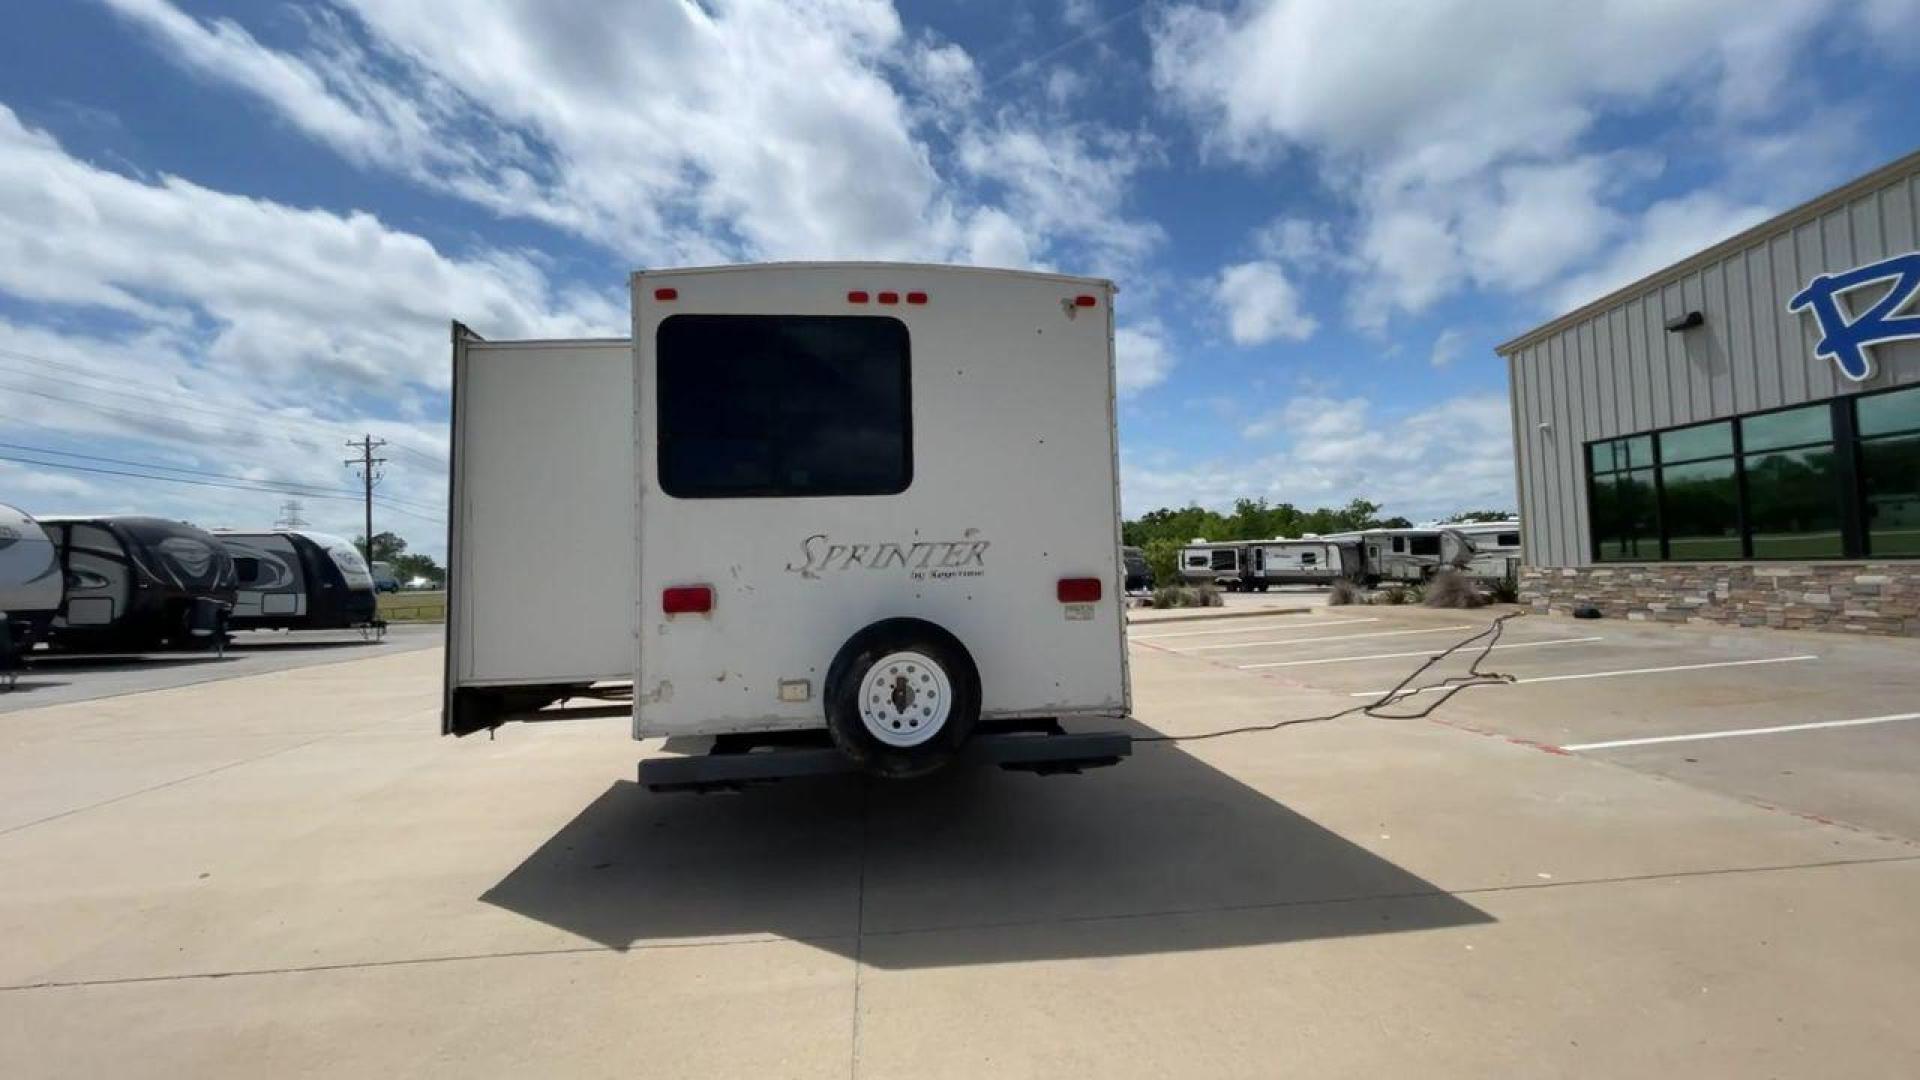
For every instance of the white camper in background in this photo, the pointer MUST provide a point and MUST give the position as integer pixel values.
(1302, 562)
(1221, 564)
(874, 502)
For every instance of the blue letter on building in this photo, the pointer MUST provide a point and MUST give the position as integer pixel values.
(1845, 342)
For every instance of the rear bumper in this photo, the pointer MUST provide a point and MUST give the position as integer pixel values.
(736, 761)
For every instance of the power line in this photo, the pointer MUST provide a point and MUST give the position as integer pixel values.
(69, 466)
(296, 487)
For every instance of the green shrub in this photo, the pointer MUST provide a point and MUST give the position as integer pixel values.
(1345, 592)
(1392, 595)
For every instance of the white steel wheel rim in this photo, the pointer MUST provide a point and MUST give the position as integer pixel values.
(905, 699)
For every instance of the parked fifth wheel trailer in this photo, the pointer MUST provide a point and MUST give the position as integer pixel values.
(290, 579)
(139, 583)
(876, 504)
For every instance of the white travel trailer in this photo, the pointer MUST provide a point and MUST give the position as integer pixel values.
(1221, 564)
(876, 503)
(1303, 562)
(31, 586)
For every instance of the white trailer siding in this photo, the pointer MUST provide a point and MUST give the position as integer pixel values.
(1300, 562)
(1013, 488)
(540, 551)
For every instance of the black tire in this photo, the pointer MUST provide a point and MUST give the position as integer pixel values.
(850, 669)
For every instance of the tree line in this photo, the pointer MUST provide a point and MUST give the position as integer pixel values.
(1161, 533)
(407, 565)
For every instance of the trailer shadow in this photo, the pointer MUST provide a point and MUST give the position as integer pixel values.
(122, 662)
(1161, 854)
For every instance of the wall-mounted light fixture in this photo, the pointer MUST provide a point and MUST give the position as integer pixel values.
(1685, 322)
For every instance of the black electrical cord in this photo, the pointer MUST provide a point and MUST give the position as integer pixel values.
(1452, 685)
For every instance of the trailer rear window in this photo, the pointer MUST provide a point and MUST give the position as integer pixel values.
(773, 406)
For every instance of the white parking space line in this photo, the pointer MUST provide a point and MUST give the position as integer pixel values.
(1317, 640)
(1403, 655)
(1628, 671)
(1612, 744)
(1303, 623)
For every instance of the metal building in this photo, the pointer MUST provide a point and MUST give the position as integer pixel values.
(1736, 438)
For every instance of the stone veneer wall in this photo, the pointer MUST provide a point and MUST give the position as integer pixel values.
(1862, 597)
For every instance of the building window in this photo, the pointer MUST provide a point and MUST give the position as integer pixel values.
(768, 406)
(1620, 485)
(1889, 454)
(1699, 492)
(1831, 480)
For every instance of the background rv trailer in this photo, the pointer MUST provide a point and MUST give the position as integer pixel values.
(1221, 564)
(288, 579)
(31, 585)
(1416, 554)
(874, 499)
(1303, 562)
(139, 583)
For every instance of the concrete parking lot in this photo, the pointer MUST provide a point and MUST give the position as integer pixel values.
(292, 873)
(55, 678)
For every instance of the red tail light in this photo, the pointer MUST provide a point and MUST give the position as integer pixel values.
(666, 294)
(1084, 301)
(857, 296)
(916, 298)
(1079, 590)
(889, 297)
(687, 600)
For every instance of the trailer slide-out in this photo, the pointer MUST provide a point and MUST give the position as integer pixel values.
(823, 517)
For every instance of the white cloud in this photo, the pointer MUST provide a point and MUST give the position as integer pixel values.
(678, 133)
(1298, 241)
(1261, 305)
(1080, 14)
(1666, 231)
(1447, 348)
(1311, 416)
(947, 74)
(297, 296)
(1064, 181)
(1454, 129)
(251, 337)
(1421, 465)
(641, 126)
(1142, 357)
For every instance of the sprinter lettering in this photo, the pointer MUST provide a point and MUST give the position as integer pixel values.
(819, 554)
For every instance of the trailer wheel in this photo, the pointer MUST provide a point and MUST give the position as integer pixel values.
(901, 698)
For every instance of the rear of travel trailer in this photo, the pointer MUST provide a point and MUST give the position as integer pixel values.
(139, 583)
(289, 579)
(1220, 564)
(31, 585)
(1303, 562)
(878, 502)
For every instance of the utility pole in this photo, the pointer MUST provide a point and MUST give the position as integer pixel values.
(290, 515)
(368, 467)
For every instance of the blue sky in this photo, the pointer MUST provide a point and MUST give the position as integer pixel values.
(231, 234)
